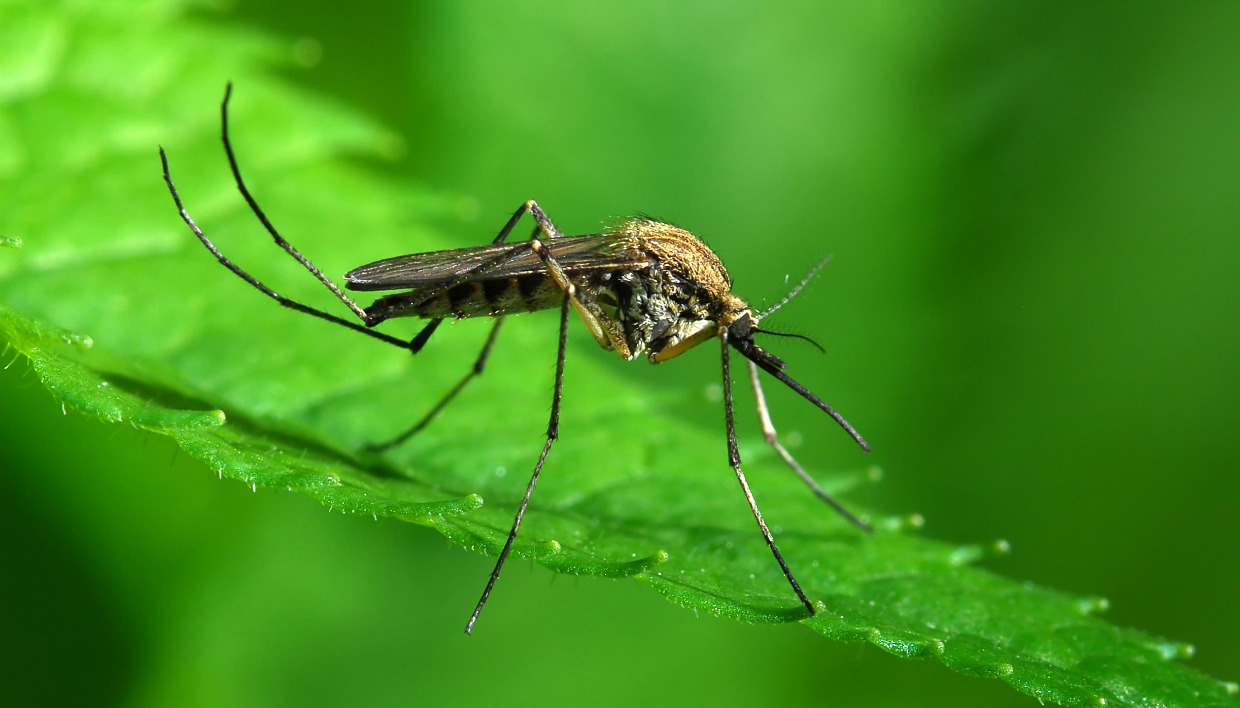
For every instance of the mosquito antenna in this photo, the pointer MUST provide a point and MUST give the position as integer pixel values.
(791, 335)
(793, 293)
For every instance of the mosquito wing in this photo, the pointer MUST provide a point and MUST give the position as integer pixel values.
(575, 254)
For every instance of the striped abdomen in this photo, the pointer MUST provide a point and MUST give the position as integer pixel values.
(484, 297)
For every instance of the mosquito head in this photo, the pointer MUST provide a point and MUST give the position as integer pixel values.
(741, 332)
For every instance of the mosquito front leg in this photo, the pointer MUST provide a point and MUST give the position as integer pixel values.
(734, 458)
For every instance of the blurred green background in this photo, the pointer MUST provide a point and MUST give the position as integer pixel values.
(1031, 314)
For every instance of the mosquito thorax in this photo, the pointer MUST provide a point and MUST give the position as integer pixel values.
(672, 298)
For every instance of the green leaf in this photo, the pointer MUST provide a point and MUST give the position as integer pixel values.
(150, 331)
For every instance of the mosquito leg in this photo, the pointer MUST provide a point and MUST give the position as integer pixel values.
(368, 319)
(414, 429)
(540, 216)
(772, 439)
(553, 432)
(367, 322)
(544, 226)
(271, 229)
(586, 306)
(255, 282)
(419, 341)
(734, 458)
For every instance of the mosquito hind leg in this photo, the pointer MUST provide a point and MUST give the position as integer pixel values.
(255, 282)
(366, 322)
(271, 229)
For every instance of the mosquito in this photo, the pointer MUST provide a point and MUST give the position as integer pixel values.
(642, 287)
